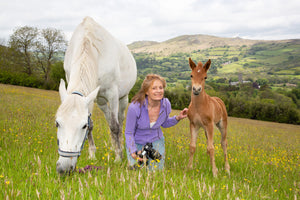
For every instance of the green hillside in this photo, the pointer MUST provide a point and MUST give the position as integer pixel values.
(266, 59)
(276, 61)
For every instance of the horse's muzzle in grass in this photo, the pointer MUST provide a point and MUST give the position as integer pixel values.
(66, 165)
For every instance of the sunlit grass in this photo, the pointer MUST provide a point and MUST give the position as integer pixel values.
(264, 159)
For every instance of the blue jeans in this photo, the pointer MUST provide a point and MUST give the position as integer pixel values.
(158, 145)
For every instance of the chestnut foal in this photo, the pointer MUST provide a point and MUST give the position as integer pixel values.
(205, 111)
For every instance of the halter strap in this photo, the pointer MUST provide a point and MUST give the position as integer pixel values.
(78, 93)
(77, 153)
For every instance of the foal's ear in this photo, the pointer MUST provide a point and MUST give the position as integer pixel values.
(192, 64)
(62, 90)
(92, 96)
(207, 65)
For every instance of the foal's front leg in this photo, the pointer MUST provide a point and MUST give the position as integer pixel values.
(194, 134)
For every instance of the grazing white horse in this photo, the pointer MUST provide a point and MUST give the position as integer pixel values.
(94, 59)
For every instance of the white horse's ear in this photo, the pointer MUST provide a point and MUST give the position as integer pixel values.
(92, 96)
(62, 90)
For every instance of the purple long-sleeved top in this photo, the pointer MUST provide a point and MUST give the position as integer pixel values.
(138, 129)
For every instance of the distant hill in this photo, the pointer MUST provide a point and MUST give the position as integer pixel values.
(189, 43)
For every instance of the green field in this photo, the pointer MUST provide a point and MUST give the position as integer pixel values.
(264, 159)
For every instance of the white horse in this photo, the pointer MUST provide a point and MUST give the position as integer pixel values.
(94, 59)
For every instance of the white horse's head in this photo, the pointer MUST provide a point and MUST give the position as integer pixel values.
(73, 123)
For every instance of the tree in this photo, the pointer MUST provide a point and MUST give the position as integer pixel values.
(24, 40)
(11, 59)
(51, 42)
(235, 59)
(57, 73)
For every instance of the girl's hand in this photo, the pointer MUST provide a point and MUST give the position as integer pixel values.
(136, 157)
(182, 114)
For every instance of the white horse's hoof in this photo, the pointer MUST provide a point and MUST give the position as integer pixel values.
(92, 157)
(118, 159)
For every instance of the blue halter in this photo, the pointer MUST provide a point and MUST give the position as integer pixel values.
(89, 128)
(80, 94)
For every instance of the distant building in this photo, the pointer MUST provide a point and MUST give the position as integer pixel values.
(254, 85)
(234, 83)
(238, 82)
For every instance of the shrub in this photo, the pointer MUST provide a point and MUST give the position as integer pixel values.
(21, 79)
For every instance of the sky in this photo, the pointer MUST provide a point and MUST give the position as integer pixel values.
(158, 20)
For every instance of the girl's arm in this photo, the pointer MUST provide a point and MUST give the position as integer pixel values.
(130, 129)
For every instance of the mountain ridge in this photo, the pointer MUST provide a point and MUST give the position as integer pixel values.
(190, 43)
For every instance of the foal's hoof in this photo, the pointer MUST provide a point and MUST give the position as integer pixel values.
(227, 171)
(215, 172)
(227, 168)
(190, 164)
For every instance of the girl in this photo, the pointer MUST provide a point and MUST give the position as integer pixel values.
(148, 111)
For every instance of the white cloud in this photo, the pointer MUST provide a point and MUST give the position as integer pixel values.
(158, 20)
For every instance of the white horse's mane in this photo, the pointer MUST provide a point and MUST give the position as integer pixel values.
(84, 78)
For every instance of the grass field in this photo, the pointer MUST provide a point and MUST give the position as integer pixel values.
(264, 159)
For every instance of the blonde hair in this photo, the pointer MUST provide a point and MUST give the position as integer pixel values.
(147, 83)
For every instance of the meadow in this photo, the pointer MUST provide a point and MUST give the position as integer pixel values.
(264, 158)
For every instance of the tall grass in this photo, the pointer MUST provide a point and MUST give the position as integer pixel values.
(264, 159)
